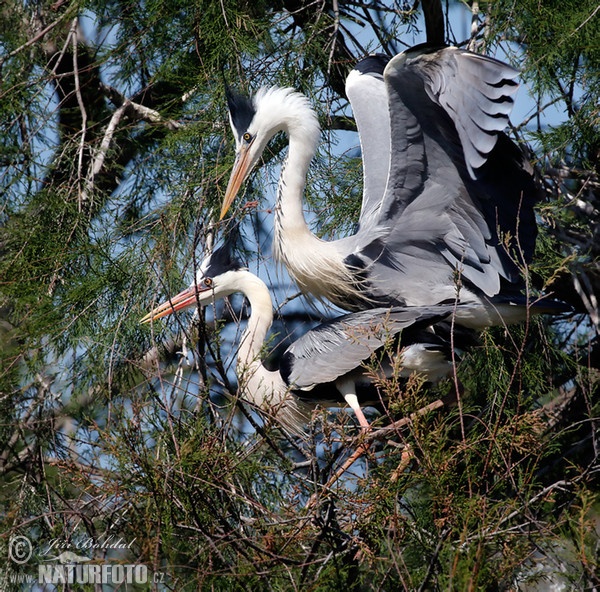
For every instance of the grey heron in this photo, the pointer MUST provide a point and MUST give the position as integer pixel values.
(455, 221)
(325, 365)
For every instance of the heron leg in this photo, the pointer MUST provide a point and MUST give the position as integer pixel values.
(348, 390)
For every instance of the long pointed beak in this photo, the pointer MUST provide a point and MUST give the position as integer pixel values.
(184, 299)
(241, 168)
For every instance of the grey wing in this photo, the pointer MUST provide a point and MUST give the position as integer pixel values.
(476, 91)
(367, 93)
(445, 105)
(436, 212)
(340, 346)
(439, 233)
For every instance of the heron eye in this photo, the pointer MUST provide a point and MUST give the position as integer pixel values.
(247, 137)
(208, 282)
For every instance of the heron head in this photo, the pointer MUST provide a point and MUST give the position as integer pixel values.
(217, 277)
(255, 121)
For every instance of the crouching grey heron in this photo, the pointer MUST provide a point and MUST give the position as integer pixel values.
(454, 218)
(325, 365)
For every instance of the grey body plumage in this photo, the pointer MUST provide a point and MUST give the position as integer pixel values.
(454, 218)
(326, 365)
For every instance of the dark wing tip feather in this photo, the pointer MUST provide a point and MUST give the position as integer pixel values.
(425, 48)
(286, 363)
(504, 82)
(372, 64)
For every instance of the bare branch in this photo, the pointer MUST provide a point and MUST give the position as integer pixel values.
(82, 141)
(37, 37)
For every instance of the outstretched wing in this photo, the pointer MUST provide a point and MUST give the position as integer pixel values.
(340, 346)
(456, 184)
(476, 91)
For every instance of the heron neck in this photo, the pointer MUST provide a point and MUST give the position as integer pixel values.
(258, 384)
(317, 266)
(292, 182)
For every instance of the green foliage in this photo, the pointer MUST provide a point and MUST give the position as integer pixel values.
(561, 44)
(115, 151)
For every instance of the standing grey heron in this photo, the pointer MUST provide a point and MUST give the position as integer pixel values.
(455, 221)
(326, 363)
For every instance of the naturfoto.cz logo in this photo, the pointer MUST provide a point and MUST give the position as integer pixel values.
(92, 574)
(71, 568)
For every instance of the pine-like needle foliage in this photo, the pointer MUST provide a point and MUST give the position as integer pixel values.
(114, 154)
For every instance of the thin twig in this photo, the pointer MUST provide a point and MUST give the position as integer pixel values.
(368, 439)
(73, 35)
(35, 38)
(100, 157)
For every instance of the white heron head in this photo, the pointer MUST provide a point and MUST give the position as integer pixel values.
(255, 121)
(219, 275)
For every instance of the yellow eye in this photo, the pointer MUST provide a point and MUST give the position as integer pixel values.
(208, 282)
(247, 137)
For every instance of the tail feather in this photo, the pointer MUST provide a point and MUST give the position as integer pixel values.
(294, 415)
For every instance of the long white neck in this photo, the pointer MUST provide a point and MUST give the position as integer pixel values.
(264, 388)
(290, 192)
(291, 230)
(259, 385)
(315, 265)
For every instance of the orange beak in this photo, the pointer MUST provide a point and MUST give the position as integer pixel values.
(184, 299)
(241, 168)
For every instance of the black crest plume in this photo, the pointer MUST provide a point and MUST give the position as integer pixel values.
(241, 111)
